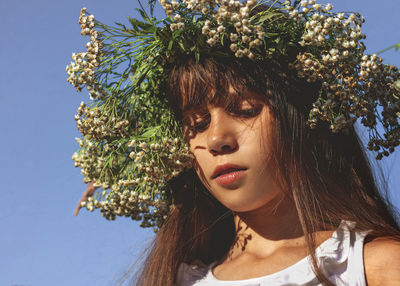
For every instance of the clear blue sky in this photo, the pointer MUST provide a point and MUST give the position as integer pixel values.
(41, 243)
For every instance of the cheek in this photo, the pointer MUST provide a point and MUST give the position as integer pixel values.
(198, 150)
(199, 168)
(200, 162)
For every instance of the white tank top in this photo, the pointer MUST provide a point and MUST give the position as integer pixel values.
(340, 258)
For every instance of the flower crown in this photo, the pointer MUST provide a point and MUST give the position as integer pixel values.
(132, 145)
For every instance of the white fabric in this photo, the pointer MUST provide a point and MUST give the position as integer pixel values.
(340, 257)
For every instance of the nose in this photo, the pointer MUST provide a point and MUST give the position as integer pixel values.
(222, 134)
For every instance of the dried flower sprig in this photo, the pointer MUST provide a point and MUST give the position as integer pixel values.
(82, 70)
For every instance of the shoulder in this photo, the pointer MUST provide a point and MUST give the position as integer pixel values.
(382, 261)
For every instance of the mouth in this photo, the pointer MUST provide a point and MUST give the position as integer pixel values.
(227, 169)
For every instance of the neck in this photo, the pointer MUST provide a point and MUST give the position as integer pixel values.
(271, 227)
(274, 221)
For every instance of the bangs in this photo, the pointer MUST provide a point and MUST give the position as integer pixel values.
(193, 85)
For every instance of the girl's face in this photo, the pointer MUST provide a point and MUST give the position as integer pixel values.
(232, 152)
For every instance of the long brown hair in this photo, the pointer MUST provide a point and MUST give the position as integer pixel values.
(309, 163)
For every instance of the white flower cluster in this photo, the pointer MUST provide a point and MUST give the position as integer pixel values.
(243, 38)
(335, 67)
(169, 10)
(350, 80)
(373, 73)
(82, 69)
(89, 159)
(141, 195)
(119, 202)
(321, 26)
(158, 163)
(94, 123)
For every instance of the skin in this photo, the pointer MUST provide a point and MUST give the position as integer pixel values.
(268, 232)
(382, 261)
(232, 138)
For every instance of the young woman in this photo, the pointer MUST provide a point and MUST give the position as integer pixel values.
(269, 200)
(283, 197)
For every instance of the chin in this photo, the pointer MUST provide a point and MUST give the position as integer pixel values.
(241, 207)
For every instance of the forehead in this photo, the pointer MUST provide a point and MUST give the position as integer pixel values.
(230, 98)
(193, 85)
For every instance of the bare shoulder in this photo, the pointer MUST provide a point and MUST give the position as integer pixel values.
(382, 261)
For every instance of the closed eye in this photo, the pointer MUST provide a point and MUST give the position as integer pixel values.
(246, 112)
(198, 122)
(199, 126)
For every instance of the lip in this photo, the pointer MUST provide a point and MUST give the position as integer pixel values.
(230, 179)
(227, 169)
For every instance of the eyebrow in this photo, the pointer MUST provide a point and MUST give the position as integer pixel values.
(190, 108)
(188, 113)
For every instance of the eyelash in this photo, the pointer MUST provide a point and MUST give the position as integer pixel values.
(247, 113)
(199, 126)
(202, 125)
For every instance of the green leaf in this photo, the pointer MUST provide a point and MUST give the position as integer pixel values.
(396, 48)
(144, 15)
(141, 26)
(176, 34)
(149, 132)
(122, 26)
(267, 15)
(182, 45)
(170, 44)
